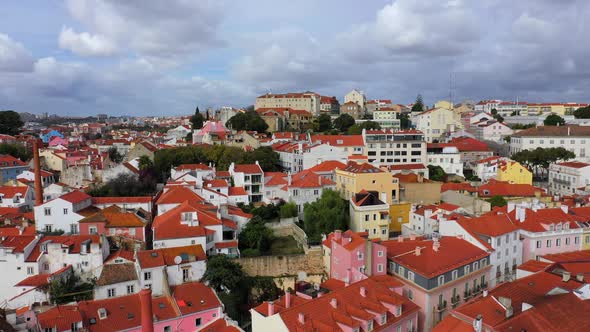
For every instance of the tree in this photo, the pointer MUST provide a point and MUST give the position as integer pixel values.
(324, 122)
(249, 120)
(16, 150)
(436, 173)
(126, 185)
(582, 113)
(223, 274)
(255, 236)
(267, 158)
(10, 123)
(325, 215)
(69, 289)
(289, 210)
(357, 129)
(343, 122)
(499, 118)
(497, 201)
(554, 120)
(404, 121)
(145, 163)
(207, 116)
(539, 159)
(197, 120)
(494, 111)
(115, 156)
(418, 104)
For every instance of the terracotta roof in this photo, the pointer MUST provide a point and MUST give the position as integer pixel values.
(10, 161)
(169, 226)
(217, 183)
(570, 256)
(226, 244)
(327, 166)
(60, 317)
(533, 266)
(353, 167)
(248, 168)
(463, 186)
(506, 189)
(17, 243)
(452, 253)
(124, 254)
(542, 219)
(573, 164)
(116, 273)
(165, 256)
(567, 130)
(9, 192)
(339, 140)
(349, 240)
(237, 191)
(452, 323)
(75, 196)
(177, 195)
(220, 325)
(193, 297)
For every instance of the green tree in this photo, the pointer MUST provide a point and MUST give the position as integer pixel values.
(494, 111)
(249, 120)
(223, 274)
(497, 201)
(16, 150)
(69, 289)
(289, 210)
(418, 104)
(325, 215)
(343, 122)
(436, 173)
(324, 122)
(126, 185)
(115, 156)
(255, 236)
(404, 121)
(10, 123)
(357, 129)
(539, 159)
(267, 158)
(554, 120)
(582, 113)
(197, 120)
(145, 163)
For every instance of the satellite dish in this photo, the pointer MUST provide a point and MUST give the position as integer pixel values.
(177, 260)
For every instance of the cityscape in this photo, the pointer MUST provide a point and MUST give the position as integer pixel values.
(155, 176)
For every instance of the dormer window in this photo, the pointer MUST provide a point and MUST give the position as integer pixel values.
(566, 226)
(186, 216)
(551, 227)
(558, 227)
(383, 319)
(398, 311)
(370, 325)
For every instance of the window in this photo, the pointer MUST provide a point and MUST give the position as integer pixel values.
(467, 269)
(49, 228)
(538, 244)
(475, 266)
(455, 274)
(380, 253)
(558, 242)
(65, 211)
(198, 322)
(567, 241)
(379, 267)
(359, 255)
(410, 294)
(147, 276)
(130, 289)
(498, 241)
(92, 230)
(548, 243)
(576, 240)
(185, 275)
(30, 270)
(167, 328)
(47, 211)
(441, 280)
(111, 292)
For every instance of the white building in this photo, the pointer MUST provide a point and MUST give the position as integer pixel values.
(251, 178)
(508, 108)
(356, 96)
(62, 213)
(487, 105)
(425, 219)
(387, 118)
(487, 168)
(296, 157)
(572, 138)
(495, 234)
(178, 133)
(388, 147)
(448, 158)
(566, 177)
(14, 251)
(491, 130)
(17, 197)
(437, 122)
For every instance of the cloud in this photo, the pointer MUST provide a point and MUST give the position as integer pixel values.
(85, 43)
(156, 30)
(14, 57)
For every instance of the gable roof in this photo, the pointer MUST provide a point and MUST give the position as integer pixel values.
(165, 256)
(177, 195)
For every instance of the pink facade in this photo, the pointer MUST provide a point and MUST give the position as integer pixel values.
(550, 243)
(118, 231)
(188, 322)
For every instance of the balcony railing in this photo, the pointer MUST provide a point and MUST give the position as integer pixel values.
(442, 306)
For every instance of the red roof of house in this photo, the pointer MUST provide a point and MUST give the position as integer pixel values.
(353, 167)
(236, 191)
(542, 219)
(17, 230)
(18, 243)
(124, 254)
(452, 253)
(504, 188)
(570, 256)
(463, 186)
(327, 166)
(216, 183)
(226, 244)
(177, 195)
(169, 225)
(220, 325)
(7, 160)
(349, 240)
(165, 256)
(9, 192)
(574, 164)
(60, 317)
(533, 266)
(339, 140)
(75, 196)
(463, 144)
(193, 297)
(248, 168)
(452, 323)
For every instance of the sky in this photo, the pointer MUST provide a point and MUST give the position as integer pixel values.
(153, 57)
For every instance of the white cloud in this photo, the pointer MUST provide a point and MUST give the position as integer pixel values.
(14, 57)
(85, 43)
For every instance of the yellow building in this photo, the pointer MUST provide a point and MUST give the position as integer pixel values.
(357, 177)
(444, 104)
(399, 215)
(369, 214)
(307, 101)
(513, 172)
(586, 238)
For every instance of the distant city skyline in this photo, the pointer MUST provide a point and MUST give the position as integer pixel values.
(86, 57)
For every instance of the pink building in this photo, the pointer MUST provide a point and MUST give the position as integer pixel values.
(372, 304)
(114, 221)
(437, 273)
(546, 231)
(189, 307)
(351, 257)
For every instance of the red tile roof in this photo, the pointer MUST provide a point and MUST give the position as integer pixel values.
(554, 131)
(574, 164)
(339, 140)
(237, 191)
(8, 192)
(226, 244)
(17, 243)
(220, 325)
(75, 196)
(248, 168)
(10, 161)
(502, 188)
(349, 240)
(121, 200)
(452, 253)
(124, 254)
(194, 297)
(463, 186)
(177, 195)
(452, 323)
(533, 266)
(353, 167)
(327, 166)
(169, 226)
(216, 183)
(165, 256)
(60, 317)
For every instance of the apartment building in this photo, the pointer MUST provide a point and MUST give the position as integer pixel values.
(437, 122)
(251, 178)
(570, 137)
(387, 118)
(357, 177)
(369, 214)
(307, 101)
(389, 147)
(566, 177)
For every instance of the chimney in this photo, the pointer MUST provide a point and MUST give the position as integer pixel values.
(566, 276)
(301, 318)
(288, 300)
(271, 308)
(400, 239)
(334, 303)
(289, 178)
(38, 183)
(580, 277)
(418, 251)
(147, 322)
(520, 213)
(363, 291)
(348, 277)
(337, 235)
(564, 208)
(485, 292)
(435, 244)
(412, 237)
(510, 207)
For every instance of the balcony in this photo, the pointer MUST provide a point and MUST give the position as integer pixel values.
(442, 306)
(455, 300)
(467, 295)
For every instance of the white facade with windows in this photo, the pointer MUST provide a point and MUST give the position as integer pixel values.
(386, 147)
(449, 159)
(60, 214)
(565, 178)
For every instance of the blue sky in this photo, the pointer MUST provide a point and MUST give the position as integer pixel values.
(151, 57)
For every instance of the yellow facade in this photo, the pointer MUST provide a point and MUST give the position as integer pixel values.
(349, 182)
(371, 219)
(513, 172)
(586, 238)
(444, 104)
(399, 214)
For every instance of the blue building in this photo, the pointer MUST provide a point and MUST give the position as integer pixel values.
(48, 134)
(11, 167)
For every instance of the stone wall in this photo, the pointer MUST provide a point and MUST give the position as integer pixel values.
(276, 266)
(287, 227)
